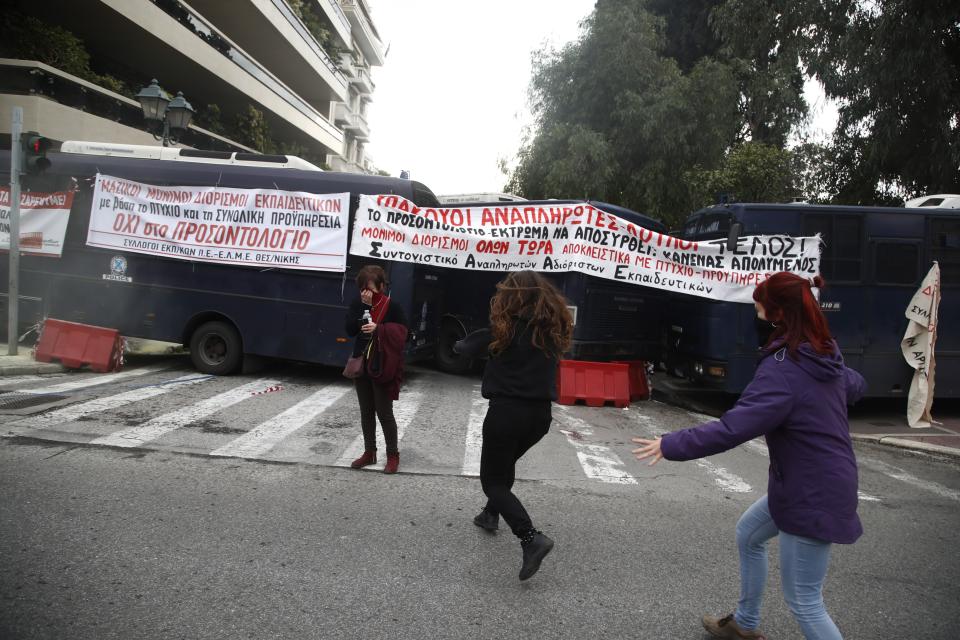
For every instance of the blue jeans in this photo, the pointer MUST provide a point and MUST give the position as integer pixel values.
(803, 566)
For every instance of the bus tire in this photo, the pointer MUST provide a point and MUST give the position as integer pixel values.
(216, 348)
(445, 357)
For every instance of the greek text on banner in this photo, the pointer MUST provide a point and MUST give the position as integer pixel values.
(252, 227)
(43, 222)
(574, 237)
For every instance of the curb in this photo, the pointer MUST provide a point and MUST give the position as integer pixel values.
(29, 369)
(901, 443)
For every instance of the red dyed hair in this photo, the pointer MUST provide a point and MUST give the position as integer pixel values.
(789, 303)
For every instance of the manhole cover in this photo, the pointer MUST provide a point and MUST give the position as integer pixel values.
(14, 400)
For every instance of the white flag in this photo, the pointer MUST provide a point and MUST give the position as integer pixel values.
(918, 348)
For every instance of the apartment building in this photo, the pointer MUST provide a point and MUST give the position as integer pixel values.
(281, 76)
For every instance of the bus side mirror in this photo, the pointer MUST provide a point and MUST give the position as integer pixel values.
(733, 236)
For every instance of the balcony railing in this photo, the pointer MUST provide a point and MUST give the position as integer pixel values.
(362, 80)
(301, 29)
(370, 41)
(29, 77)
(341, 16)
(220, 43)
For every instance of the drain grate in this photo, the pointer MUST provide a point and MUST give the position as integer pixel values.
(14, 400)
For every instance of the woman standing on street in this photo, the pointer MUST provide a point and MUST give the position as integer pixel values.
(798, 400)
(371, 312)
(530, 328)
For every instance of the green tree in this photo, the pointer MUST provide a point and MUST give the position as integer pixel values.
(751, 172)
(894, 67)
(251, 129)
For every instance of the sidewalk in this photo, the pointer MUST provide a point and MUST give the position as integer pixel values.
(23, 363)
(880, 421)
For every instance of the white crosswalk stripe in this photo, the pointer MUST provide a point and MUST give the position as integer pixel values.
(94, 380)
(7, 381)
(598, 461)
(262, 438)
(98, 405)
(153, 429)
(328, 442)
(473, 443)
(724, 479)
(403, 412)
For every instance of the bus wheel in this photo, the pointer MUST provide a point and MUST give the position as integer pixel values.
(446, 359)
(215, 347)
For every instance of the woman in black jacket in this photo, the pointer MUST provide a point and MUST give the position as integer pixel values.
(371, 309)
(530, 328)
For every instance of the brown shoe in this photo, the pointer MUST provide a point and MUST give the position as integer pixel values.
(393, 463)
(368, 458)
(727, 627)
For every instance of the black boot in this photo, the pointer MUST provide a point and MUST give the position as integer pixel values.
(486, 520)
(535, 547)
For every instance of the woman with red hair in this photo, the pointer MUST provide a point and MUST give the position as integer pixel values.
(798, 401)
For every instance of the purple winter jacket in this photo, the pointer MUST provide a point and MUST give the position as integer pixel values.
(800, 406)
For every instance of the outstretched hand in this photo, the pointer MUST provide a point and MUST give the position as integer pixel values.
(650, 448)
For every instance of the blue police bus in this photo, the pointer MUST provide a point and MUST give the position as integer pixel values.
(873, 260)
(221, 312)
(612, 320)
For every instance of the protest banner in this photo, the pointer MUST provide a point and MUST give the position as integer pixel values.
(251, 227)
(919, 342)
(43, 221)
(573, 237)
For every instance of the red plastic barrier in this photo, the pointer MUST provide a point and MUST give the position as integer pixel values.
(595, 383)
(639, 384)
(75, 345)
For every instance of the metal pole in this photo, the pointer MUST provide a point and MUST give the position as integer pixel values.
(13, 292)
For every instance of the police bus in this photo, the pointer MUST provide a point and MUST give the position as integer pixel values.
(873, 260)
(222, 312)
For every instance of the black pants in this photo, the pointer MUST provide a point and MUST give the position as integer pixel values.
(510, 428)
(375, 402)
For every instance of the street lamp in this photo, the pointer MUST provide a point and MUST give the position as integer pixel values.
(158, 107)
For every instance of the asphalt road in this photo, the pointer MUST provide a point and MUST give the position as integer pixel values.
(151, 535)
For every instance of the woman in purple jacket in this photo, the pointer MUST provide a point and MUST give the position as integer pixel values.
(798, 401)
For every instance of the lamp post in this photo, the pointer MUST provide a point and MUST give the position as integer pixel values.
(159, 108)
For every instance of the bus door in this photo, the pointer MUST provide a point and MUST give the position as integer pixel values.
(844, 300)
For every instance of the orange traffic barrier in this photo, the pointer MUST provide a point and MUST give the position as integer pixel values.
(596, 383)
(639, 383)
(75, 345)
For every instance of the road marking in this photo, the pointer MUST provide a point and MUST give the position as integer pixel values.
(94, 380)
(75, 412)
(153, 429)
(599, 462)
(404, 410)
(759, 446)
(726, 480)
(899, 474)
(473, 444)
(265, 436)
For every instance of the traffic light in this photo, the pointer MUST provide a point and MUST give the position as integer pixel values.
(35, 149)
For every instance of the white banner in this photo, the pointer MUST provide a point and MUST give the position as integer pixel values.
(252, 227)
(573, 237)
(918, 345)
(43, 221)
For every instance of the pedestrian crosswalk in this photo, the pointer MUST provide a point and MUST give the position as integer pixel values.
(316, 421)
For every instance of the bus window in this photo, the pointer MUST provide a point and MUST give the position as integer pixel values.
(896, 262)
(713, 226)
(690, 228)
(945, 248)
(843, 244)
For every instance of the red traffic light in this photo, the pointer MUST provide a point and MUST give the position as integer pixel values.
(35, 149)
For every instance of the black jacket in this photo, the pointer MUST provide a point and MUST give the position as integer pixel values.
(352, 322)
(519, 371)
